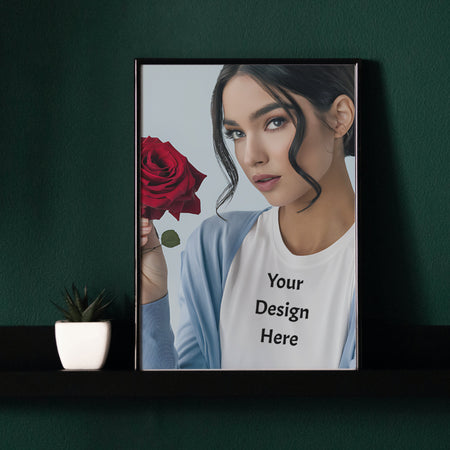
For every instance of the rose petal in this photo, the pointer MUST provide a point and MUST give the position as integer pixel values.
(168, 180)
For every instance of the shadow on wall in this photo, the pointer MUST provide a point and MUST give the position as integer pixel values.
(388, 291)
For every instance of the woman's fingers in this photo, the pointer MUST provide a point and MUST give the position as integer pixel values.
(145, 231)
(149, 236)
(146, 227)
(154, 268)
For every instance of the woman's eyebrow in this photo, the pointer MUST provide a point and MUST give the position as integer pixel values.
(255, 115)
(232, 123)
(264, 110)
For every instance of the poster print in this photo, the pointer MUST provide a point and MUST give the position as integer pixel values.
(247, 234)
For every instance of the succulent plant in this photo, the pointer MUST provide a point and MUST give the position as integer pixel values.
(79, 308)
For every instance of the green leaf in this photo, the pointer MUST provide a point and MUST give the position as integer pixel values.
(67, 296)
(74, 311)
(79, 309)
(89, 313)
(99, 312)
(78, 300)
(170, 238)
(65, 313)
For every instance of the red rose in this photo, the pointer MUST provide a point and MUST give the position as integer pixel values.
(168, 181)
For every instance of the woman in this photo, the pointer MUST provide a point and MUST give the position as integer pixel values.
(270, 289)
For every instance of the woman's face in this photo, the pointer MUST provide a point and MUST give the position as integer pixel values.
(262, 132)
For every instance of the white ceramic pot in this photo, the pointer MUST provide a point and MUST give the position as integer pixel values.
(82, 345)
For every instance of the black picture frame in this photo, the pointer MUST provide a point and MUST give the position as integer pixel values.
(140, 63)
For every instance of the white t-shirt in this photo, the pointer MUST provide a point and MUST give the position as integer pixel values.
(283, 311)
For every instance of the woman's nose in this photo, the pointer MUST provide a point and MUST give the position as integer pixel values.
(255, 152)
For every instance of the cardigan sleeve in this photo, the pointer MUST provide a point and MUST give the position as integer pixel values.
(348, 358)
(157, 351)
(160, 350)
(197, 340)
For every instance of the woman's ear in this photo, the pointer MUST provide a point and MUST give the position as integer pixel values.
(343, 111)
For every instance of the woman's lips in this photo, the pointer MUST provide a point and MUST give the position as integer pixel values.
(265, 182)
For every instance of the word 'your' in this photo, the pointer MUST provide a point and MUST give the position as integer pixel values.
(289, 283)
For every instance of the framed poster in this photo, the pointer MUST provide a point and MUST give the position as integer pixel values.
(246, 252)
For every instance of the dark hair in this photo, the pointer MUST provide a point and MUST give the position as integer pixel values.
(320, 84)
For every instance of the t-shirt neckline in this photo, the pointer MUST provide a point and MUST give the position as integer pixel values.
(307, 260)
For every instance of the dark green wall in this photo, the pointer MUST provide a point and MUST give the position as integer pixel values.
(66, 196)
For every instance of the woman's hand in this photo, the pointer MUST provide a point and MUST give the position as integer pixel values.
(153, 265)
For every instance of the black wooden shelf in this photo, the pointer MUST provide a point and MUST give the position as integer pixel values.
(395, 361)
(135, 384)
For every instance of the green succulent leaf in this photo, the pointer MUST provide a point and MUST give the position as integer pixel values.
(66, 313)
(74, 311)
(170, 238)
(80, 302)
(99, 311)
(67, 296)
(78, 307)
(89, 313)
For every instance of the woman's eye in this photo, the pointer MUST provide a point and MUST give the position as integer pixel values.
(278, 122)
(234, 134)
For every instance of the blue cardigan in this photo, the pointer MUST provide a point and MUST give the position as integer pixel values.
(205, 263)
